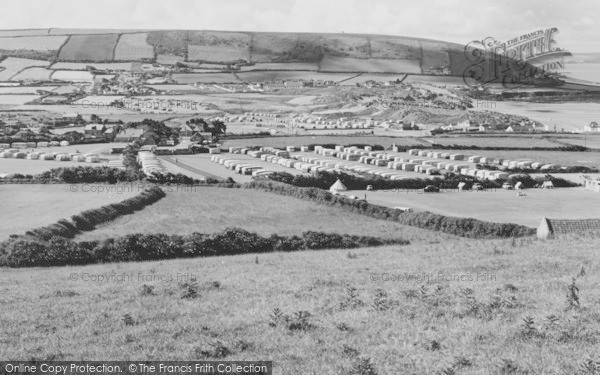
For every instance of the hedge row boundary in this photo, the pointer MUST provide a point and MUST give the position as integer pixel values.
(464, 227)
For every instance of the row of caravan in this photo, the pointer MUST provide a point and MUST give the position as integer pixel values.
(508, 164)
(149, 162)
(241, 166)
(73, 156)
(23, 145)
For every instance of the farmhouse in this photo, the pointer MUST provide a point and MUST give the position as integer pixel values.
(592, 127)
(129, 135)
(94, 130)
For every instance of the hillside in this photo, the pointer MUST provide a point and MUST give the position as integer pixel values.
(474, 307)
(325, 52)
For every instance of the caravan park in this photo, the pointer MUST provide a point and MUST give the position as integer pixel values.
(329, 203)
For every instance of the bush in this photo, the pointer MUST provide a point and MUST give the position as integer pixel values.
(58, 251)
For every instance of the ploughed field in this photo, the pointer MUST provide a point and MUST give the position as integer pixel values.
(468, 306)
(207, 209)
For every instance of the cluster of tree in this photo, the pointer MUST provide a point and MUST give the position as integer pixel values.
(215, 127)
(60, 251)
(156, 131)
(465, 227)
(88, 174)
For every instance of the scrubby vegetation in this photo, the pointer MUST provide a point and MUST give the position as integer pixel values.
(465, 227)
(35, 249)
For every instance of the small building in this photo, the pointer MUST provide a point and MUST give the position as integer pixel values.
(129, 135)
(551, 228)
(94, 130)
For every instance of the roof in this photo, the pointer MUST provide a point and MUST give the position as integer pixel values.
(551, 227)
(131, 132)
(94, 127)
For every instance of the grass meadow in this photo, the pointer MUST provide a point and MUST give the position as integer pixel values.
(25, 207)
(452, 307)
(207, 210)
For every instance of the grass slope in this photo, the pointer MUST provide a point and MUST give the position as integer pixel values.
(472, 319)
(206, 210)
(30, 206)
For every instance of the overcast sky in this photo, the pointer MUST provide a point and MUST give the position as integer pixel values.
(451, 20)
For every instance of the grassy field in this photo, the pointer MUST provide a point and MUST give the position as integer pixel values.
(306, 140)
(206, 210)
(502, 206)
(476, 307)
(495, 141)
(29, 206)
(89, 47)
(589, 159)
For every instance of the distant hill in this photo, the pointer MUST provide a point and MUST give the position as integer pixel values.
(588, 58)
(202, 49)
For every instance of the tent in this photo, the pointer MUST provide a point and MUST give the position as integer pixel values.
(337, 186)
(547, 185)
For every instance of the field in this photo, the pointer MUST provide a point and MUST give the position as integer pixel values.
(422, 308)
(306, 140)
(24, 32)
(81, 48)
(281, 66)
(337, 64)
(217, 53)
(390, 48)
(568, 116)
(35, 43)
(25, 89)
(502, 206)
(72, 76)
(133, 47)
(168, 59)
(589, 159)
(522, 141)
(206, 210)
(186, 78)
(14, 65)
(32, 206)
(82, 66)
(35, 73)
(16, 99)
(268, 47)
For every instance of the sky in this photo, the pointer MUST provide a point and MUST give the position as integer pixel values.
(458, 21)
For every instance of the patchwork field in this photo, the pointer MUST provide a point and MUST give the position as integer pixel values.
(484, 307)
(35, 73)
(32, 206)
(35, 43)
(83, 66)
(133, 47)
(89, 48)
(337, 64)
(502, 206)
(72, 76)
(205, 209)
(14, 65)
(307, 140)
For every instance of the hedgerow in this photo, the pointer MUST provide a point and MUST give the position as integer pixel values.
(87, 220)
(465, 227)
(27, 251)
